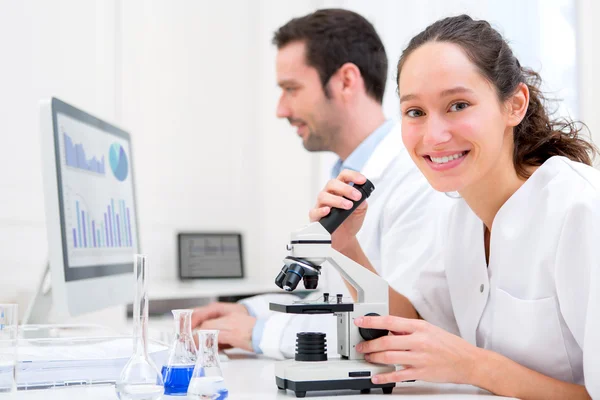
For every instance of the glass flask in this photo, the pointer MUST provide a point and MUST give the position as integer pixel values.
(182, 356)
(9, 332)
(207, 380)
(140, 379)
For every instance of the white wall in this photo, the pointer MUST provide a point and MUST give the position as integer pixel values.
(588, 51)
(194, 81)
(199, 94)
(62, 48)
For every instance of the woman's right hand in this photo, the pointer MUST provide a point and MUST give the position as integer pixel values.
(333, 196)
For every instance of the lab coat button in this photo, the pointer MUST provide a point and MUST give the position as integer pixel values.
(481, 288)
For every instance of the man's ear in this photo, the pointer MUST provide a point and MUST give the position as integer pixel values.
(346, 81)
(517, 105)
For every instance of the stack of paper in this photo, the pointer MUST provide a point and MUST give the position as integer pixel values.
(76, 361)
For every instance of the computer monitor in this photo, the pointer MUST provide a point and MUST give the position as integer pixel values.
(90, 209)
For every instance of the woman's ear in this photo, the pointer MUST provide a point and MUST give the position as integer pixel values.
(517, 105)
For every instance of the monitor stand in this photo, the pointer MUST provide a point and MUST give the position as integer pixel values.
(40, 308)
(41, 321)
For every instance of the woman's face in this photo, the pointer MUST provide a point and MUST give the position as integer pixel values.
(453, 125)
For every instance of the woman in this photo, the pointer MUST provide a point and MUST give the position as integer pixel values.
(511, 304)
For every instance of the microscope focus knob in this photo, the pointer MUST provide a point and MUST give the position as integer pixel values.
(371, 333)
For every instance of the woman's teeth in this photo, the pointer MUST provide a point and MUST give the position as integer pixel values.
(445, 159)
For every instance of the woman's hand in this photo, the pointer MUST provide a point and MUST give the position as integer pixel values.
(426, 352)
(333, 196)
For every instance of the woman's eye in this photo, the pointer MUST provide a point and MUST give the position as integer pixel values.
(414, 113)
(461, 105)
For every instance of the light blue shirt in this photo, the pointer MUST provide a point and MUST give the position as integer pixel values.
(356, 161)
(358, 158)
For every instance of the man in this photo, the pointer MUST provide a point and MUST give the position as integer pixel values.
(332, 70)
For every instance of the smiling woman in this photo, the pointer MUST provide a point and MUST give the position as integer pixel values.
(479, 97)
(511, 299)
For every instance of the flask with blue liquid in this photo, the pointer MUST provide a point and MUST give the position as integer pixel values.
(177, 373)
(207, 380)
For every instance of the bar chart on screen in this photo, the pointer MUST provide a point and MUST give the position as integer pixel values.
(99, 224)
(109, 226)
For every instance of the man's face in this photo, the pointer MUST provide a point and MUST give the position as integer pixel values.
(303, 101)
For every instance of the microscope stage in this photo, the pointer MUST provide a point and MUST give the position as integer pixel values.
(334, 374)
(312, 308)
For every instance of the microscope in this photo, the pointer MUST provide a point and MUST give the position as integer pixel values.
(311, 370)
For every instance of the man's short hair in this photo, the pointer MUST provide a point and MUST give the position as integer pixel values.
(334, 37)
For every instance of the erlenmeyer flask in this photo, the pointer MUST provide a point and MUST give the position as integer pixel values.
(207, 380)
(140, 379)
(182, 356)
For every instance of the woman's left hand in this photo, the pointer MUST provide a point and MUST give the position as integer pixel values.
(426, 352)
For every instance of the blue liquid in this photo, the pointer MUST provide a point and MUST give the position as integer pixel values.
(222, 394)
(177, 379)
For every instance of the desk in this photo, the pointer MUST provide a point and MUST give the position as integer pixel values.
(250, 378)
(209, 288)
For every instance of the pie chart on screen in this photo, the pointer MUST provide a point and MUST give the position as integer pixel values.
(118, 161)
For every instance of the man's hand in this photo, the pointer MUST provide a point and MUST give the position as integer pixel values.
(235, 330)
(214, 311)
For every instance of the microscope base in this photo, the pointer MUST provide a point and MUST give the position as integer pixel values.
(335, 374)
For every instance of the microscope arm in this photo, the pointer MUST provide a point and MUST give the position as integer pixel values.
(370, 287)
(313, 243)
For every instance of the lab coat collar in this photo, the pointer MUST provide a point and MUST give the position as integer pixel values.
(385, 153)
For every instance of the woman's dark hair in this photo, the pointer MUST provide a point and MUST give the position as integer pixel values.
(334, 37)
(538, 137)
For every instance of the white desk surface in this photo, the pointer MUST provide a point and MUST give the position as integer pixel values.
(171, 289)
(251, 378)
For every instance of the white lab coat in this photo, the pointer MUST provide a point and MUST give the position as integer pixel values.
(394, 235)
(538, 301)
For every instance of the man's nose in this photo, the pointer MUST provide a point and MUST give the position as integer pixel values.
(283, 111)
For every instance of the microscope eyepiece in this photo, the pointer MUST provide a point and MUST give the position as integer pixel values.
(293, 276)
(337, 215)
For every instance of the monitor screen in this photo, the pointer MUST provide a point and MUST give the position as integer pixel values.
(210, 255)
(96, 194)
